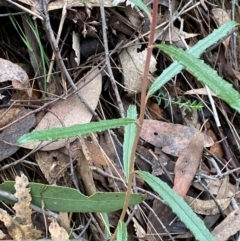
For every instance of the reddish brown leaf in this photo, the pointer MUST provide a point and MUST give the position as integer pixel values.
(173, 138)
(187, 165)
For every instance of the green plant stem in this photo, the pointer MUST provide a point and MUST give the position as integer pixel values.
(142, 112)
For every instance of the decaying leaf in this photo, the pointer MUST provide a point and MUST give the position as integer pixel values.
(173, 138)
(216, 148)
(7, 115)
(57, 232)
(207, 207)
(176, 35)
(10, 135)
(214, 186)
(133, 66)
(53, 164)
(58, 4)
(200, 91)
(140, 232)
(13, 72)
(228, 227)
(2, 235)
(70, 111)
(187, 165)
(221, 17)
(116, 2)
(20, 226)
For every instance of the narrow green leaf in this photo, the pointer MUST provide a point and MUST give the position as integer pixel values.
(122, 234)
(178, 206)
(73, 131)
(64, 199)
(175, 68)
(107, 225)
(205, 74)
(129, 135)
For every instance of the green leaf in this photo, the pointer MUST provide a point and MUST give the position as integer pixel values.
(107, 225)
(178, 206)
(175, 68)
(205, 74)
(129, 135)
(122, 234)
(64, 199)
(73, 131)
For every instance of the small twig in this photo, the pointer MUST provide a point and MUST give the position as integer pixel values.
(142, 112)
(24, 9)
(97, 227)
(73, 175)
(105, 42)
(24, 116)
(84, 229)
(159, 221)
(64, 12)
(64, 72)
(11, 14)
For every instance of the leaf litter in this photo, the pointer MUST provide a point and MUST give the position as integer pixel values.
(195, 164)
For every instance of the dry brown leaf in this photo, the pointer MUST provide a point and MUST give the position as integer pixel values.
(187, 165)
(173, 138)
(191, 118)
(227, 68)
(58, 4)
(153, 226)
(12, 133)
(221, 17)
(23, 211)
(2, 235)
(207, 207)
(140, 232)
(70, 111)
(20, 226)
(214, 186)
(7, 115)
(228, 227)
(57, 233)
(175, 35)
(53, 164)
(133, 16)
(97, 155)
(65, 222)
(216, 148)
(84, 169)
(200, 91)
(155, 111)
(13, 72)
(133, 66)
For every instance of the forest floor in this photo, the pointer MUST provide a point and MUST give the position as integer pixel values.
(65, 63)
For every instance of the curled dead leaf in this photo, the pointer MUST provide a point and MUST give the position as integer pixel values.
(207, 207)
(13, 72)
(132, 67)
